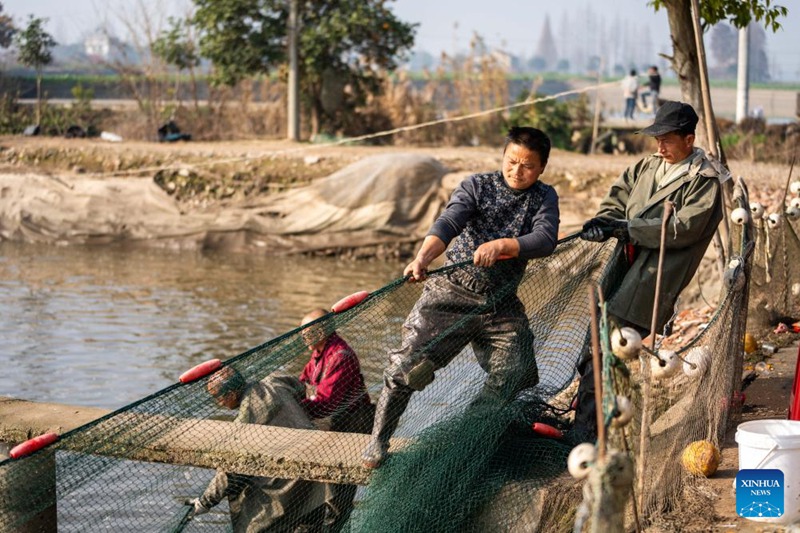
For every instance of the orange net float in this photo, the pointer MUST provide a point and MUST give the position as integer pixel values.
(32, 445)
(349, 301)
(546, 430)
(201, 370)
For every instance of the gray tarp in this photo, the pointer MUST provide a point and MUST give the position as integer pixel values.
(384, 199)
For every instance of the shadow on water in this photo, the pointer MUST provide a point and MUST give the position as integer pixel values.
(105, 326)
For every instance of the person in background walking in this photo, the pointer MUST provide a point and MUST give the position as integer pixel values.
(630, 88)
(653, 87)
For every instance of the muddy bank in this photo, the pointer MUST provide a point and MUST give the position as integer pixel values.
(381, 203)
(213, 195)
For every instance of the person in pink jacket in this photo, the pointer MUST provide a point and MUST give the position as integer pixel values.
(335, 387)
(336, 399)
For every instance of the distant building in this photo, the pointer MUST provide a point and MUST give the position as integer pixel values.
(503, 58)
(97, 45)
(546, 55)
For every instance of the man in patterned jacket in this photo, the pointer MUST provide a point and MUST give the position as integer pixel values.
(507, 215)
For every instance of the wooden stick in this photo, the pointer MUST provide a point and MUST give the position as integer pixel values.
(708, 114)
(644, 434)
(789, 177)
(596, 119)
(598, 375)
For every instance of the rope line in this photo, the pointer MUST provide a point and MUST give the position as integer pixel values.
(359, 138)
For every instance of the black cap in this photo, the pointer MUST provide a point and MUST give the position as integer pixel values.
(672, 116)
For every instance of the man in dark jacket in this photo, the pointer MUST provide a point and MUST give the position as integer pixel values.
(503, 214)
(632, 211)
(653, 88)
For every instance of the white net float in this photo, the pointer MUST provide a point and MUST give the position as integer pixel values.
(773, 220)
(580, 460)
(665, 365)
(624, 412)
(626, 343)
(696, 361)
(740, 216)
(757, 209)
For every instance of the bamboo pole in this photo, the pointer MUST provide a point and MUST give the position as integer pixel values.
(596, 118)
(711, 133)
(644, 434)
(597, 368)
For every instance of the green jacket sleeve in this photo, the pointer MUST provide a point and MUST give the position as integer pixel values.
(614, 204)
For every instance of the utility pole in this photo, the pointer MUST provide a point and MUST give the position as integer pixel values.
(293, 111)
(743, 75)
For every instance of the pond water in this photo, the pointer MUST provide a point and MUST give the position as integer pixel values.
(104, 326)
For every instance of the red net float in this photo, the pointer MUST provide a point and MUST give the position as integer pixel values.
(349, 301)
(546, 430)
(32, 445)
(201, 370)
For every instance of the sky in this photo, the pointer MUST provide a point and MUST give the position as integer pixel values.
(445, 25)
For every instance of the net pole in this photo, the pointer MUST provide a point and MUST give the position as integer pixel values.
(644, 435)
(598, 382)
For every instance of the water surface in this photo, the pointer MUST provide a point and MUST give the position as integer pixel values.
(104, 326)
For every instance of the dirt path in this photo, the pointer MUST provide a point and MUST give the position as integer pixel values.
(766, 398)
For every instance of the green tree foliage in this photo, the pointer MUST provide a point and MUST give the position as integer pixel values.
(240, 37)
(345, 47)
(685, 60)
(35, 46)
(551, 116)
(175, 46)
(740, 13)
(7, 29)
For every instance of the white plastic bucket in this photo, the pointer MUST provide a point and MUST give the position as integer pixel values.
(774, 444)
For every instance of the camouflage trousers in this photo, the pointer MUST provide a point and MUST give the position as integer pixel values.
(456, 310)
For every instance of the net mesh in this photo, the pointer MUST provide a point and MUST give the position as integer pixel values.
(457, 464)
(776, 271)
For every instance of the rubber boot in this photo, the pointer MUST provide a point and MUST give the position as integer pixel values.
(391, 404)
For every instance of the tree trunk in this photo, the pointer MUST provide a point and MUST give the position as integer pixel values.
(178, 98)
(194, 89)
(316, 117)
(38, 97)
(685, 62)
